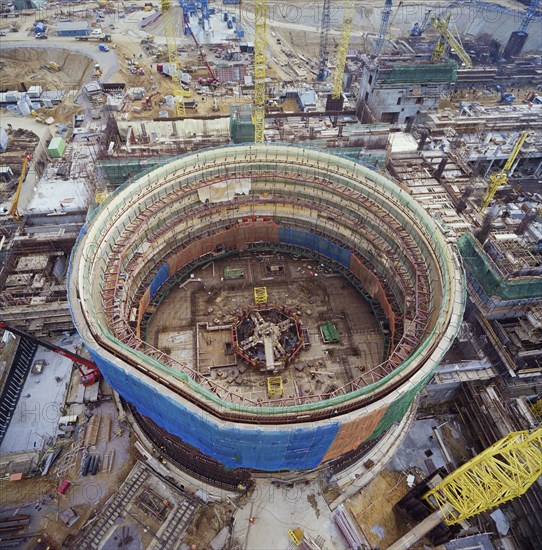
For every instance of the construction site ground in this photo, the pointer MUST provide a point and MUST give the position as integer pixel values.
(305, 287)
(292, 39)
(38, 497)
(374, 509)
(276, 508)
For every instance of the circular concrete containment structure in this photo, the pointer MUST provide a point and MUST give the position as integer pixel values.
(341, 224)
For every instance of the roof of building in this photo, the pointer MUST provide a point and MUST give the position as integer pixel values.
(71, 25)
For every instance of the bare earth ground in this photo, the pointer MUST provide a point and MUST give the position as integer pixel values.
(374, 511)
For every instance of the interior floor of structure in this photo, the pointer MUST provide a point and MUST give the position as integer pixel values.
(193, 322)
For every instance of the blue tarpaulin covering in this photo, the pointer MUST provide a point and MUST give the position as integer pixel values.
(314, 242)
(235, 447)
(159, 279)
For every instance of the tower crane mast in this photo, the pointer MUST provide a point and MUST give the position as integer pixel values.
(501, 177)
(342, 52)
(260, 68)
(447, 38)
(529, 15)
(324, 41)
(173, 55)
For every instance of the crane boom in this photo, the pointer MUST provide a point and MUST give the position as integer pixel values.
(501, 177)
(15, 204)
(260, 69)
(87, 377)
(529, 15)
(201, 52)
(502, 472)
(324, 41)
(384, 22)
(446, 37)
(342, 52)
(173, 56)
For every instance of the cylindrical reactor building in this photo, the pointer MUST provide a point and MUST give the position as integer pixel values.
(152, 236)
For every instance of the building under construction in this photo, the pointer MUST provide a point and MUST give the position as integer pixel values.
(315, 276)
(145, 266)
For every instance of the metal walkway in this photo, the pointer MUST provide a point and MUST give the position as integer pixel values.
(22, 362)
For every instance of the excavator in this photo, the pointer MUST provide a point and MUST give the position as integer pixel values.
(88, 377)
(147, 102)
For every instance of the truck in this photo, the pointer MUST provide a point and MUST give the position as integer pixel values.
(99, 38)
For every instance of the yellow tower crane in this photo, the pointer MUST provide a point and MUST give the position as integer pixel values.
(260, 66)
(501, 177)
(342, 52)
(173, 54)
(14, 205)
(447, 38)
(500, 473)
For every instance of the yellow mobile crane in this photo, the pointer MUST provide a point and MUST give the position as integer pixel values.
(447, 38)
(12, 212)
(500, 473)
(173, 54)
(501, 177)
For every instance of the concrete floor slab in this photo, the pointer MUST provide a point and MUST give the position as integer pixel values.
(305, 287)
(276, 509)
(413, 451)
(36, 416)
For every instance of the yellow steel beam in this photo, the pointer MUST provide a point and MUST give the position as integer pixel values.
(500, 473)
(260, 63)
(342, 52)
(173, 55)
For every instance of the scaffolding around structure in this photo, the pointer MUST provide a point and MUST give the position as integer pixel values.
(422, 74)
(489, 277)
(241, 124)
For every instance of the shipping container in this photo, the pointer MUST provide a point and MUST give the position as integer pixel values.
(56, 147)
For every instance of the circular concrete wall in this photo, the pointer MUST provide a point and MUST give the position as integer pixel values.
(155, 230)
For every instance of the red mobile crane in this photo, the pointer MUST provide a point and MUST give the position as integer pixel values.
(87, 378)
(212, 80)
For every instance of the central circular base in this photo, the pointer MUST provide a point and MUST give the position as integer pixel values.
(209, 320)
(267, 337)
